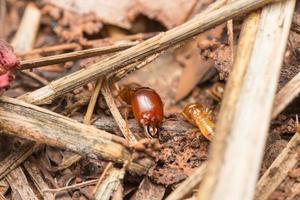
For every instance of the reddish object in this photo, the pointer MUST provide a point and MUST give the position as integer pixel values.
(147, 107)
(8, 63)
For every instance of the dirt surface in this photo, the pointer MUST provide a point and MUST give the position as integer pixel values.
(179, 156)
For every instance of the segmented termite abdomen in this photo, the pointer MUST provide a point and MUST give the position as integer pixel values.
(195, 114)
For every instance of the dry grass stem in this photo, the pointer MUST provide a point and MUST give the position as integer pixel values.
(92, 103)
(286, 95)
(116, 113)
(76, 55)
(71, 187)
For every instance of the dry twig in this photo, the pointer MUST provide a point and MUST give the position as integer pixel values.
(75, 186)
(295, 190)
(2, 197)
(116, 114)
(286, 95)
(36, 77)
(49, 49)
(107, 168)
(76, 55)
(92, 103)
(27, 31)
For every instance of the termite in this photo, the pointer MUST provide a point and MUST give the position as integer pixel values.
(196, 115)
(146, 105)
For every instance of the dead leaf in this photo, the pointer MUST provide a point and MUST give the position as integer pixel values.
(122, 12)
(192, 57)
(222, 57)
(54, 155)
(195, 68)
(115, 12)
(149, 190)
(170, 13)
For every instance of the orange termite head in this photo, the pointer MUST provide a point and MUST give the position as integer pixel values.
(190, 109)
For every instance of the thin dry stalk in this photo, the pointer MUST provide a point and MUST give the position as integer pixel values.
(295, 190)
(107, 168)
(71, 187)
(286, 95)
(245, 123)
(2, 17)
(106, 92)
(92, 103)
(26, 34)
(2, 197)
(50, 49)
(230, 35)
(36, 77)
(137, 37)
(185, 188)
(76, 55)
(149, 47)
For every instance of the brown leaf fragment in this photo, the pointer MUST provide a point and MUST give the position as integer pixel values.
(149, 191)
(122, 12)
(170, 13)
(222, 57)
(71, 26)
(195, 68)
(115, 12)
